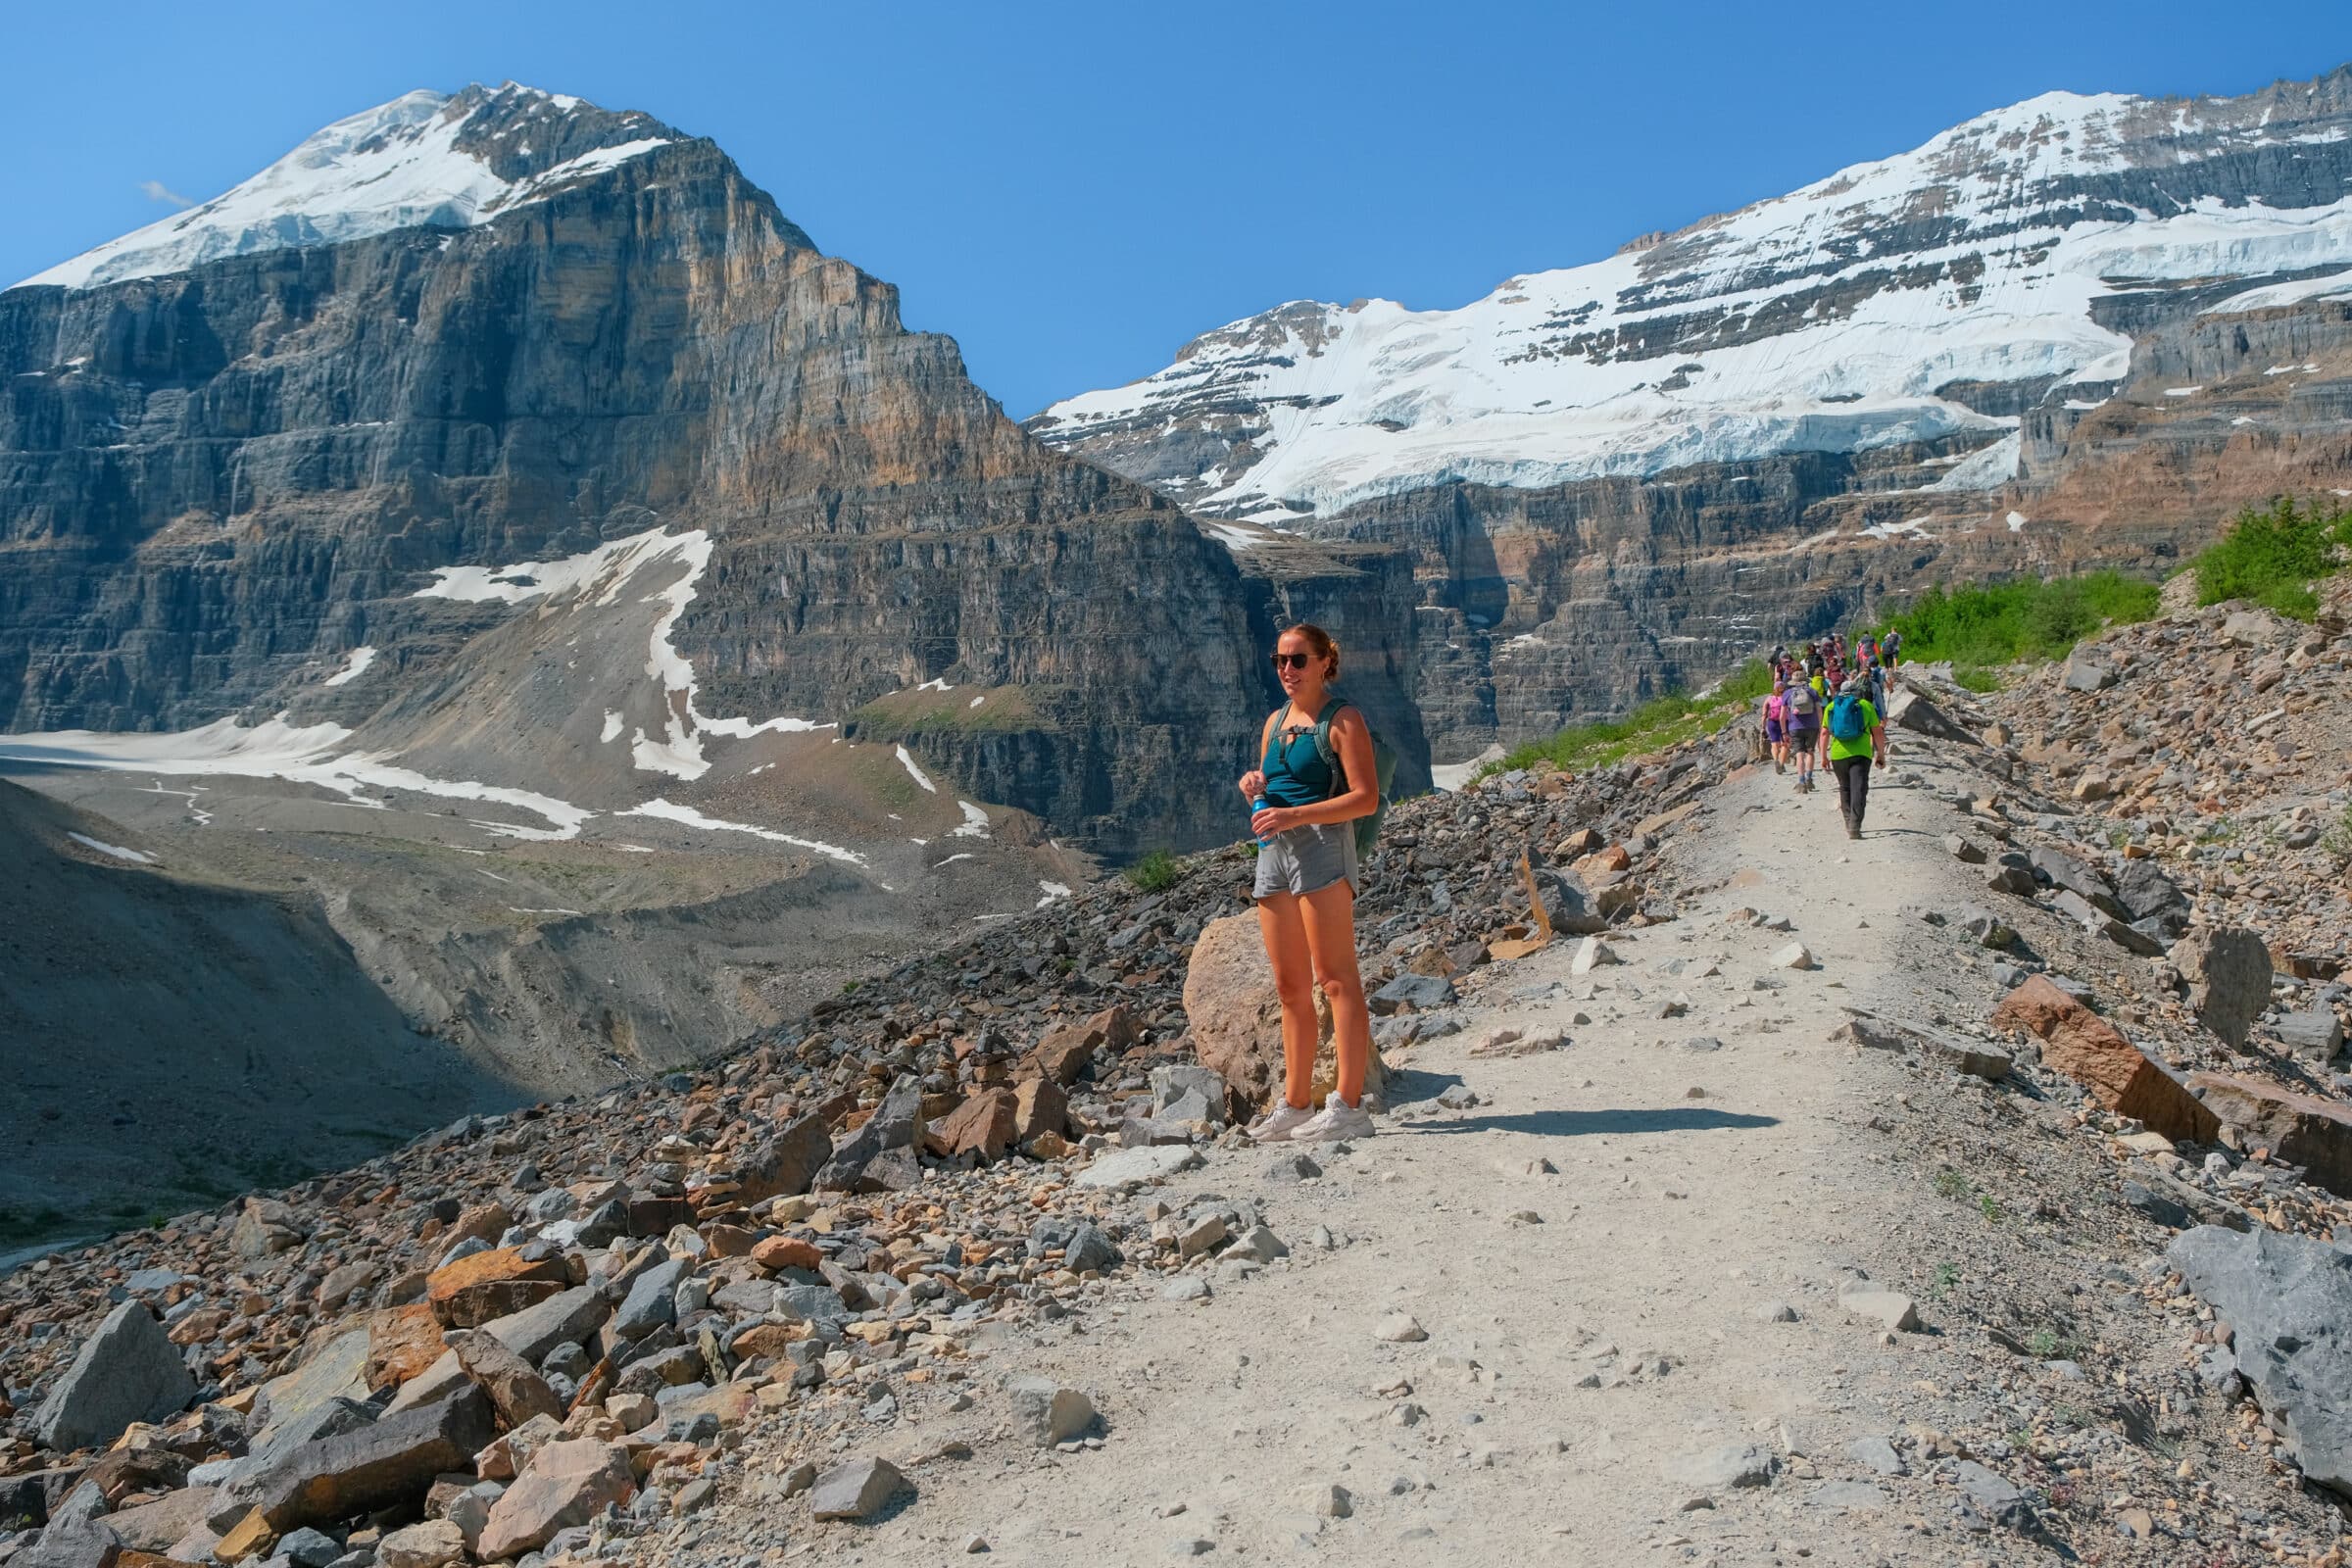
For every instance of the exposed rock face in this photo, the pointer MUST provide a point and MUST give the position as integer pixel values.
(1618, 478)
(218, 483)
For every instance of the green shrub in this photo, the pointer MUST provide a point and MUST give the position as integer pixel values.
(2001, 623)
(2271, 555)
(1155, 873)
(1967, 677)
(1746, 684)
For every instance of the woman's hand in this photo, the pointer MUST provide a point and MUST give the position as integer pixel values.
(1272, 820)
(1253, 784)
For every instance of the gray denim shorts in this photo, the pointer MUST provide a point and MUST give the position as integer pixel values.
(1307, 859)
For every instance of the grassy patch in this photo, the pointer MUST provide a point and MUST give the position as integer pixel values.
(2271, 555)
(904, 714)
(1970, 679)
(1155, 873)
(2337, 840)
(2001, 623)
(1746, 684)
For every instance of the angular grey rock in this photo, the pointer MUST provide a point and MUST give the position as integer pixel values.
(1911, 709)
(2074, 874)
(2289, 1300)
(1047, 1412)
(1088, 1248)
(2228, 970)
(391, 1461)
(1993, 1497)
(1568, 904)
(1421, 990)
(881, 1155)
(1176, 1086)
(652, 1299)
(1259, 1242)
(73, 1541)
(2085, 673)
(1735, 1464)
(785, 1163)
(128, 1370)
(2144, 891)
(854, 1488)
(2158, 1207)
(1877, 1453)
(1118, 1167)
(2314, 1033)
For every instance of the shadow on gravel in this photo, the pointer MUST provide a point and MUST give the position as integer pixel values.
(1406, 1085)
(1576, 1123)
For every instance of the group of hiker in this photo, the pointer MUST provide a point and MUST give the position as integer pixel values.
(1827, 708)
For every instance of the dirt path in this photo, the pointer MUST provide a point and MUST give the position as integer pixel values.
(1670, 1288)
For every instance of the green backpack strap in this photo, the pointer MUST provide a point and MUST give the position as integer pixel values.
(1383, 770)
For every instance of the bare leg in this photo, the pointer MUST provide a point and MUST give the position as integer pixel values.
(1279, 922)
(1330, 921)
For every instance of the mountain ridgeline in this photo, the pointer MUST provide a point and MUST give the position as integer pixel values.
(220, 480)
(2082, 328)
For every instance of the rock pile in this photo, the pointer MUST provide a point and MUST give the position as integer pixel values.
(540, 1334)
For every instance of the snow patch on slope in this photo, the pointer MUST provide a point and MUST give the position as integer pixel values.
(396, 166)
(597, 578)
(1557, 377)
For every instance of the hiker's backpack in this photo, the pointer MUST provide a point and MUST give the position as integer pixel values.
(1800, 700)
(1384, 772)
(1845, 718)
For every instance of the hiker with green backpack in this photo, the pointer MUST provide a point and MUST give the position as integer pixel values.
(1852, 737)
(1316, 800)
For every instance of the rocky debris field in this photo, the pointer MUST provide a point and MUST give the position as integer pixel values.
(2036, 1080)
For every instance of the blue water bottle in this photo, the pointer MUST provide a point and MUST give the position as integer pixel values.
(1256, 807)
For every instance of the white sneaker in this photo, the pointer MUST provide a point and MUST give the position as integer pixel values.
(1281, 1123)
(1336, 1120)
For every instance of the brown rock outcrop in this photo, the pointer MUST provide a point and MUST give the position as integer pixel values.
(2093, 1051)
(2298, 1129)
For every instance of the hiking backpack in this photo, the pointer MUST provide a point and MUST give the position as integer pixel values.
(1845, 718)
(1383, 771)
(1800, 703)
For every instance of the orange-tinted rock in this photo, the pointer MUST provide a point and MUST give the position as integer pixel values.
(2093, 1051)
(786, 1252)
(402, 1342)
(2297, 1129)
(767, 1341)
(729, 1240)
(565, 1484)
(1039, 1106)
(983, 1125)
(1612, 859)
(1064, 1051)
(490, 1285)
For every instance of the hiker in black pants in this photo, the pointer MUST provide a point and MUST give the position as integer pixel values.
(1853, 736)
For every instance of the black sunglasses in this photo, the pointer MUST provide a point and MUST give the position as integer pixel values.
(1291, 661)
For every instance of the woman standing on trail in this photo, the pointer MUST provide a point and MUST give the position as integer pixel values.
(1303, 815)
(1776, 717)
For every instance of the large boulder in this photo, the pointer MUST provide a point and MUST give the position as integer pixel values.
(1235, 1015)
(376, 1467)
(983, 1126)
(2289, 1299)
(2146, 891)
(1063, 1052)
(1910, 709)
(785, 1163)
(882, 1155)
(2093, 1051)
(2227, 969)
(2297, 1129)
(126, 1371)
(482, 1286)
(566, 1483)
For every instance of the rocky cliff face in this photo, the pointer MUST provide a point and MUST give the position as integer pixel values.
(220, 482)
(1620, 477)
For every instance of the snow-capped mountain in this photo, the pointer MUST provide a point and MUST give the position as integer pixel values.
(1935, 294)
(425, 160)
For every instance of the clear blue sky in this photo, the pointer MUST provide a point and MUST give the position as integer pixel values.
(1073, 190)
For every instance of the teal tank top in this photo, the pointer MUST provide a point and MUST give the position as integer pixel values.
(1296, 772)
